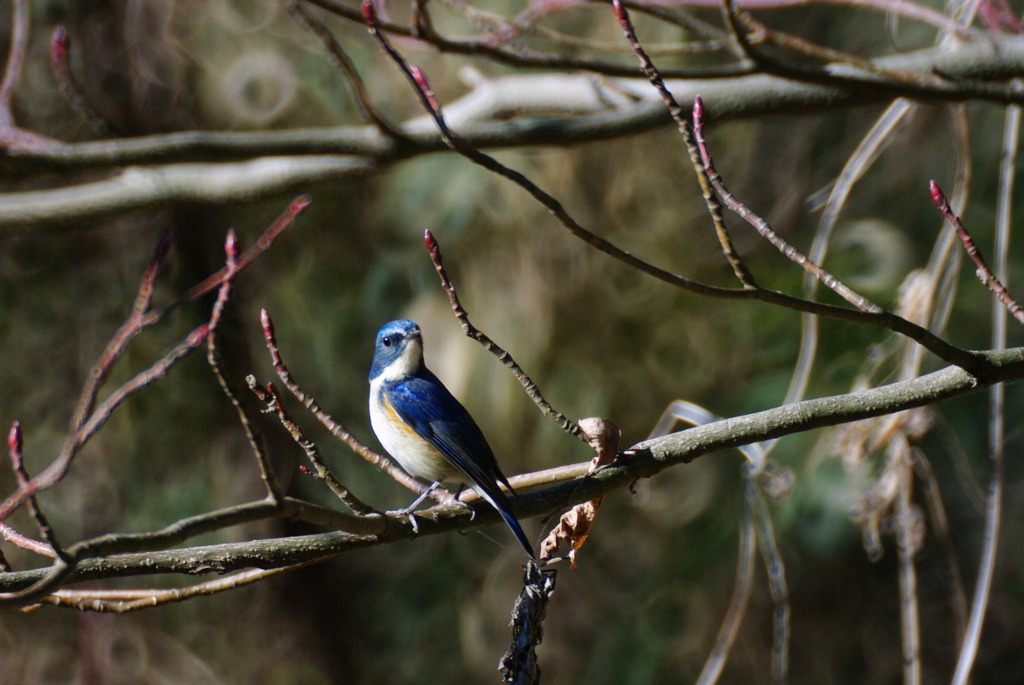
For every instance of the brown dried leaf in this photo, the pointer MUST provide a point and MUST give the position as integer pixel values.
(574, 525)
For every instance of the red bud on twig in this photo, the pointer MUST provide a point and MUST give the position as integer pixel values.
(14, 439)
(60, 41)
(369, 13)
(268, 325)
(620, 12)
(424, 85)
(197, 336)
(431, 243)
(938, 197)
(231, 245)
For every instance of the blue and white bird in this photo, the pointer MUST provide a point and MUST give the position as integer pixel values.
(424, 427)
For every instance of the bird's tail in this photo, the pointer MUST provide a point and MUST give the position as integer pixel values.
(497, 499)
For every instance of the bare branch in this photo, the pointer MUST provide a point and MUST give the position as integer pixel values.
(132, 326)
(642, 460)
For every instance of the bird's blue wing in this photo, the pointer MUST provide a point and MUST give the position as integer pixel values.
(436, 416)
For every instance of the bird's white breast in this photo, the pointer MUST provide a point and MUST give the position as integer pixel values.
(417, 456)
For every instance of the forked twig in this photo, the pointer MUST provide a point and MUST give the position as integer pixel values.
(337, 430)
(270, 397)
(87, 417)
(430, 103)
(762, 226)
(133, 325)
(968, 360)
(714, 207)
(155, 372)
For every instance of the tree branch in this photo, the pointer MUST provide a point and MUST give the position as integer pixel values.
(641, 461)
(536, 110)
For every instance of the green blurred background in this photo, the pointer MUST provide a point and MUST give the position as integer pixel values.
(600, 339)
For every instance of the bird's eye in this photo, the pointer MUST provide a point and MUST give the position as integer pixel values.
(387, 341)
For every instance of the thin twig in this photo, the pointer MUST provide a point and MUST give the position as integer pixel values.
(155, 372)
(340, 58)
(15, 444)
(252, 434)
(71, 89)
(943, 266)
(561, 420)
(985, 275)
(684, 125)
(126, 601)
(9, 534)
(262, 244)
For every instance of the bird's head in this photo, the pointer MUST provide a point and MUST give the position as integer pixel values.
(399, 350)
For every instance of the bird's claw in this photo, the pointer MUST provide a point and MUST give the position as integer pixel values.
(456, 502)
